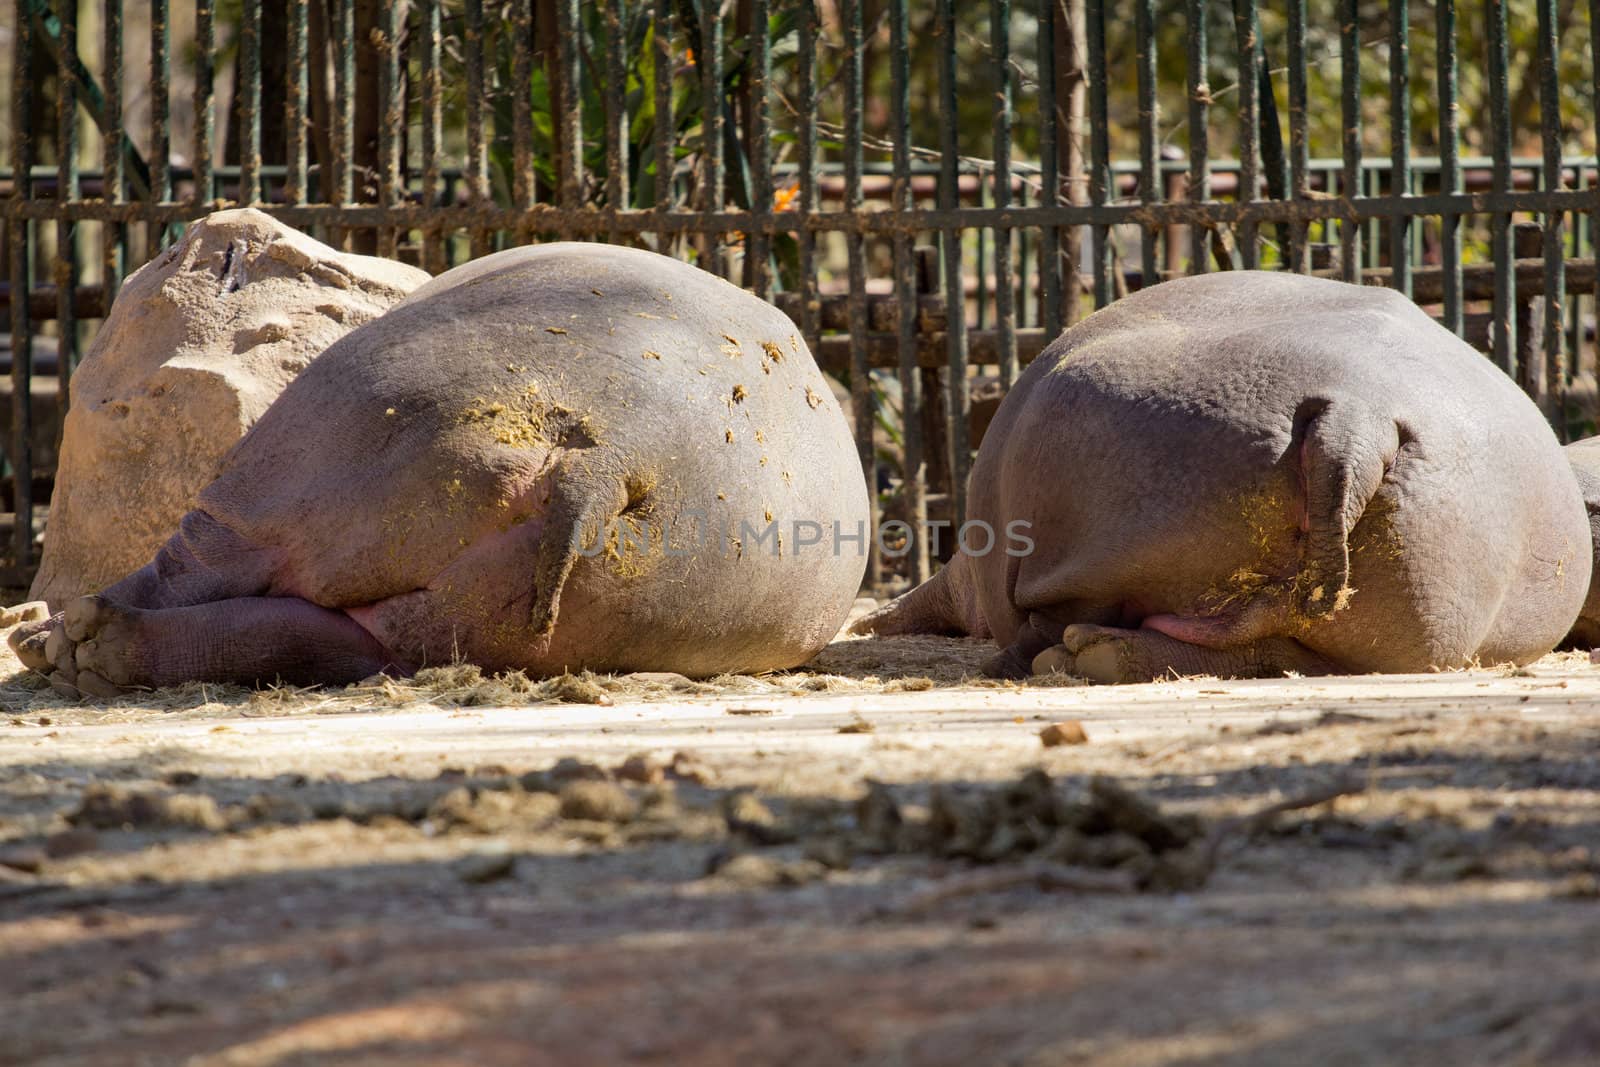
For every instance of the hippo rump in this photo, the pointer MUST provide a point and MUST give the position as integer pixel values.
(1250, 473)
(556, 457)
(1585, 459)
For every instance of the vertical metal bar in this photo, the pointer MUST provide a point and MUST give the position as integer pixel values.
(66, 260)
(250, 103)
(1005, 319)
(759, 243)
(810, 306)
(296, 99)
(1299, 136)
(1594, 216)
(666, 142)
(477, 150)
(914, 486)
(205, 118)
(571, 116)
(391, 122)
(1350, 106)
(433, 252)
(709, 60)
(1505, 275)
(111, 153)
(956, 387)
(1247, 30)
(1400, 141)
(1099, 147)
(1450, 165)
(863, 399)
(1199, 110)
(160, 139)
(616, 106)
(1555, 241)
(1049, 172)
(1149, 165)
(523, 178)
(21, 284)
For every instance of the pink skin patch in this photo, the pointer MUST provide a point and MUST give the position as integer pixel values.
(1192, 629)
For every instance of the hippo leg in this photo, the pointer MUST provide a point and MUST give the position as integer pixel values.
(243, 640)
(203, 561)
(1111, 655)
(1015, 661)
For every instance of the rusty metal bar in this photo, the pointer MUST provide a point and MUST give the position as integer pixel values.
(66, 259)
(1050, 296)
(296, 101)
(250, 103)
(616, 23)
(477, 148)
(1005, 318)
(914, 482)
(1505, 325)
(1199, 112)
(863, 398)
(956, 387)
(1556, 370)
(1400, 140)
(569, 116)
(341, 190)
(810, 305)
(1099, 148)
(1149, 173)
(205, 118)
(758, 245)
(1299, 136)
(19, 232)
(1350, 106)
(434, 258)
(1450, 165)
(666, 142)
(160, 86)
(586, 222)
(1247, 32)
(391, 120)
(708, 58)
(111, 152)
(523, 179)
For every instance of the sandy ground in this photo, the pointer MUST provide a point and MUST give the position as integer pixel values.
(876, 861)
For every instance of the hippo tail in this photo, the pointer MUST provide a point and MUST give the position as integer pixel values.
(582, 503)
(947, 603)
(1345, 450)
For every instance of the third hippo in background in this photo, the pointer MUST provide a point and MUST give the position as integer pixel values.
(1585, 459)
(1249, 473)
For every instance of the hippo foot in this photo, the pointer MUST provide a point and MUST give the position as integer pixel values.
(92, 648)
(1111, 656)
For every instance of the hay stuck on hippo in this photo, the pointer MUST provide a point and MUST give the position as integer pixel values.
(557, 457)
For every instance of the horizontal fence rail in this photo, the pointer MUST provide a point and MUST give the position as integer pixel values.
(932, 191)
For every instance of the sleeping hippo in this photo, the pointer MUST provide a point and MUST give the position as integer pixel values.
(1585, 459)
(1249, 473)
(557, 457)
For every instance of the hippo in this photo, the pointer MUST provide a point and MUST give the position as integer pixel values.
(1585, 459)
(555, 457)
(1252, 473)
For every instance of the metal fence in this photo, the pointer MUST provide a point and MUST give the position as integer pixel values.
(933, 191)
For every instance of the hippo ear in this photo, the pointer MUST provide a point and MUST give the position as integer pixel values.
(1344, 450)
(583, 502)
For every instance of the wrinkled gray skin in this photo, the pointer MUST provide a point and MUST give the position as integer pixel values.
(1585, 459)
(1248, 473)
(429, 487)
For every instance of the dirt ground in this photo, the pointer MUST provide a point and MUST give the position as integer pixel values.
(877, 860)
